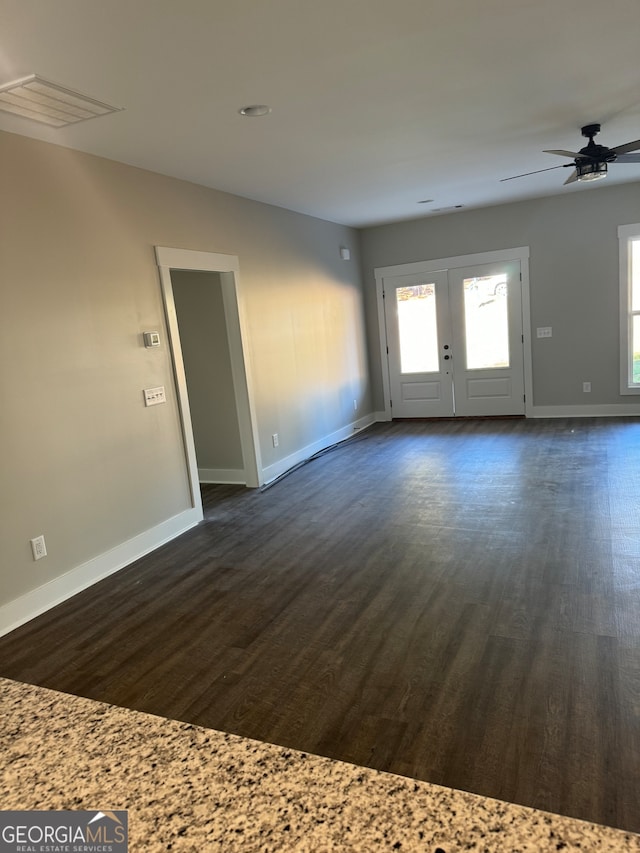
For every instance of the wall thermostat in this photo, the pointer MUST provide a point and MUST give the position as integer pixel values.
(151, 339)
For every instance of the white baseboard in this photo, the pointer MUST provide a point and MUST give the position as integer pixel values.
(381, 417)
(37, 601)
(597, 411)
(271, 472)
(234, 476)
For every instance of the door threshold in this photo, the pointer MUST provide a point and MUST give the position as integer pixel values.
(466, 418)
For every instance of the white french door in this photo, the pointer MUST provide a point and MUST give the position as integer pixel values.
(419, 345)
(454, 341)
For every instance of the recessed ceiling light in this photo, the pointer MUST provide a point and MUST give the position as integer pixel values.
(255, 110)
(49, 103)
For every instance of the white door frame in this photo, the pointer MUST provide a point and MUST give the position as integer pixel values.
(445, 264)
(228, 266)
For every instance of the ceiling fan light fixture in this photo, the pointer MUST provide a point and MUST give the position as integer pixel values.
(590, 171)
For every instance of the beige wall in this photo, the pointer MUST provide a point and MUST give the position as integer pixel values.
(84, 462)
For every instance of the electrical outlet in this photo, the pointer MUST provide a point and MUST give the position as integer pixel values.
(275, 439)
(586, 387)
(38, 548)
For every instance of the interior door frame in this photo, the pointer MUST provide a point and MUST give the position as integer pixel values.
(228, 266)
(444, 265)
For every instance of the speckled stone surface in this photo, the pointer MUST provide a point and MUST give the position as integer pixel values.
(193, 789)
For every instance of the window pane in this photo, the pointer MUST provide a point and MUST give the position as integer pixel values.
(635, 351)
(417, 329)
(635, 275)
(486, 322)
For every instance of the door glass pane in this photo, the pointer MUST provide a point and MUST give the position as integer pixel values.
(417, 328)
(486, 322)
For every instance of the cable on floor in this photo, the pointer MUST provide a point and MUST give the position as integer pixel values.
(361, 435)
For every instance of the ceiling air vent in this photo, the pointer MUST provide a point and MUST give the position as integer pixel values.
(48, 103)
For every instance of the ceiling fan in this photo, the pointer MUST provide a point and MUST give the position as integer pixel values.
(591, 162)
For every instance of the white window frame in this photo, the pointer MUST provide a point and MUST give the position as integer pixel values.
(627, 234)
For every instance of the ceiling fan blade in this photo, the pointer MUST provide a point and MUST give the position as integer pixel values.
(627, 158)
(537, 171)
(629, 146)
(561, 153)
(572, 177)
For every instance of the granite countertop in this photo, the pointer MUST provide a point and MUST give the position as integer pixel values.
(192, 789)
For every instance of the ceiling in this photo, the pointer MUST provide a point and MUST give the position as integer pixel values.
(376, 105)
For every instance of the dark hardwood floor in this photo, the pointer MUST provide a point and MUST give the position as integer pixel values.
(455, 601)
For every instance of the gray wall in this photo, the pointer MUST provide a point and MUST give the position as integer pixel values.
(207, 365)
(573, 278)
(84, 462)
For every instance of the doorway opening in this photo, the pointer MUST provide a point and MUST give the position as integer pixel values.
(207, 364)
(226, 268)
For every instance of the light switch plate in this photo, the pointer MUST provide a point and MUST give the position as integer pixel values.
(154, 396)
(544, 331)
